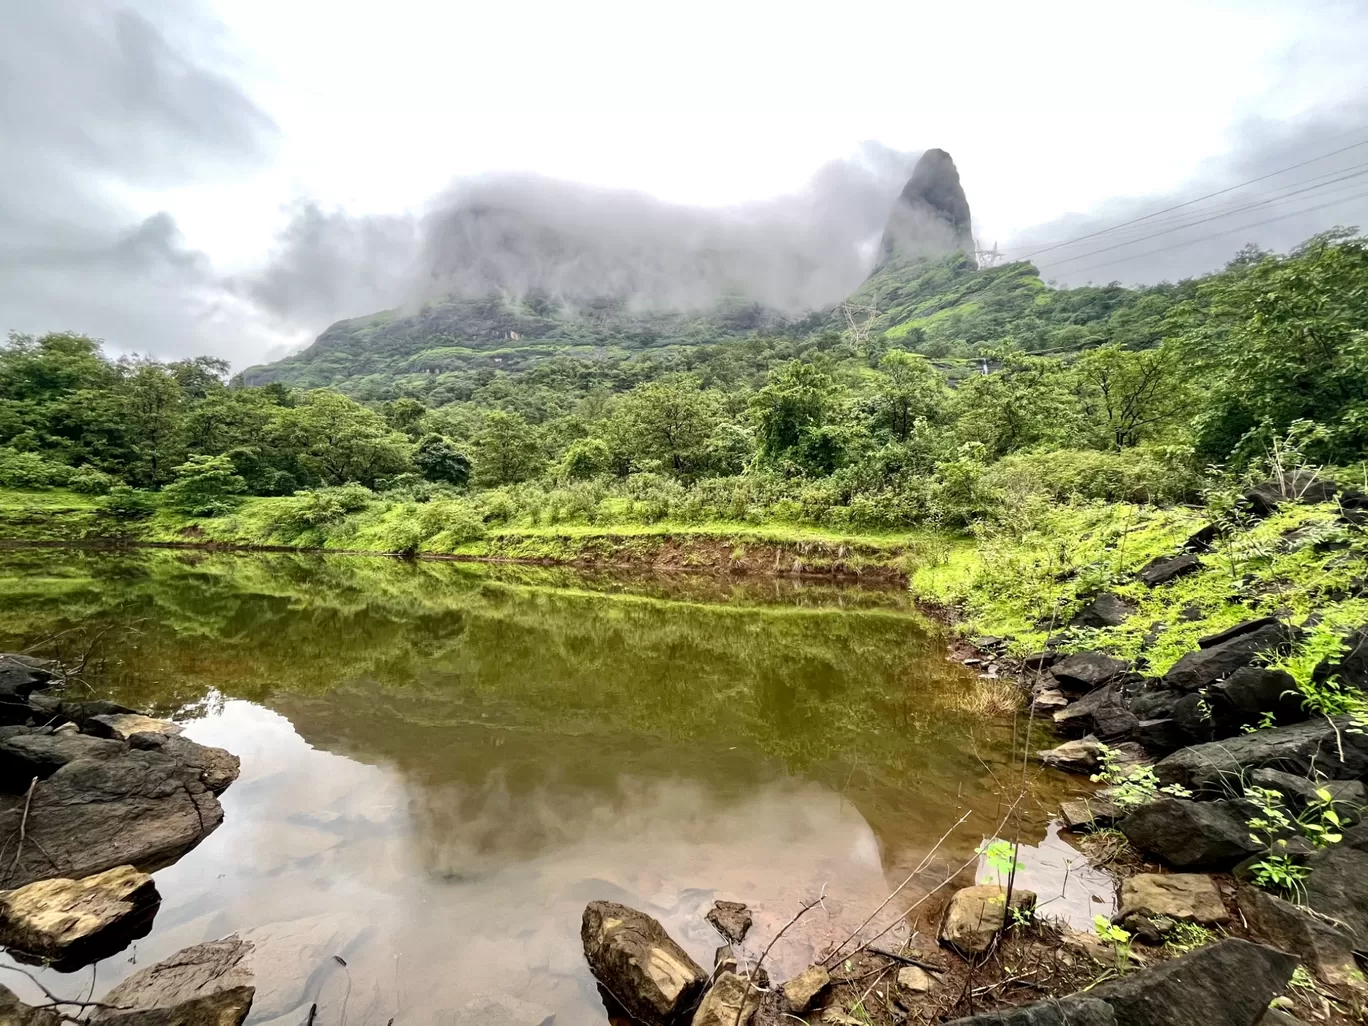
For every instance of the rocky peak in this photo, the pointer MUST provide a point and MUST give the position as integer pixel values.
(932, 214)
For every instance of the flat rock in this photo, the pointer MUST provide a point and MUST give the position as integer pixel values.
(914, 981)
(801, 991)
(1081, 672)
(30, 755)
(222, 1008)
(1106, 609)
(1069, 1011)
(1181, 896)
(1187, 834)
(1323, 948)
(122, 726)
(731, 919)
(1051, 700)
(1168, 568)
(75, 922)
(1221, 767)
(215, 767)
(730, 1001)
(14, 1012)
(1236, 630)
(1083, 755)
(1092, 813)
(976, 914)
(1205, 666)
(192, 974)
(141, 809)
(630, 953)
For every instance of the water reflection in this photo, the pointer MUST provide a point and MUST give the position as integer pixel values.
(442, 765)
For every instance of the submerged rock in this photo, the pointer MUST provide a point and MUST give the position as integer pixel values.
(75, 922)
(731, 919)
(630, 953)
(976, 914)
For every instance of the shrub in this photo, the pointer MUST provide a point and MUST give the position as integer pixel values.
(458, 519)
(205, 486)
(323, 507)
(125, 503)
(1143, 475)
(89, 481)
(30, 470)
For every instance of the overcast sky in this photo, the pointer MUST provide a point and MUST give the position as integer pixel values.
(173, 167)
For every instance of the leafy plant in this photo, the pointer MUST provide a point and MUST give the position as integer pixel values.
(1132, 786)
(1001, 858)
(1185, 935)
(1117, 937)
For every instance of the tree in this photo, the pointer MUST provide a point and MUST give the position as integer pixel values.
(506, 450)
(154, 408)
(204, 486)
(793, 400)
(669, 421)
(404, 415)
(342, 441)
(438, 459)
(1126, 394)
(909, 388)
(585, 458)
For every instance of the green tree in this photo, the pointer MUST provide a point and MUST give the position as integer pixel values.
(908, 389)
(669, 422)
(438, 459)
(340, 441)
(154, 411)
(204, 486)
(506, 449)
(1127, 394)
(793, 400)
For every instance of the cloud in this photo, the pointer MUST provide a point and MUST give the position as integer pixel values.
(100, 104)
(1142, 240)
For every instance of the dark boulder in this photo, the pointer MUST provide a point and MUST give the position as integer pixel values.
(1162, 735)
(1313, 746)
(1251, 692)
(1168, 568)
(1337, 884)
(1202, 539)
(20, 676)
(1350, 667)
(1219, 659)
(1298, 486)
(1154, 703)
(1187, 834)
(1040, 660)
(40, 754)
(1101, 713)
(1229, 983)
(1081, 672)
(731, 919)
(1105, 610)
(142, 809)
(1325, 949)
(1193, 717)
(632, 956)
(1236, 630)
(1301, 792)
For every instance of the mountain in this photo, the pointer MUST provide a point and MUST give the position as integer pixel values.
(527, 286)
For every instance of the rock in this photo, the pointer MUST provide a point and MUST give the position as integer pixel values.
(222, 1008)
(913, 981)
(215, 767)
(1235, 631)
(1069, 1011)
(141, 809)
(19, 678)
(1325, 949)
(1298, 486)
(1351, 666)
(1154, 703)
(1277, 1017)
(1192, 715)
(1105, 610)
(76, 922)
(1250, 692)
(1225, 984)
(1081, 756)
(1299, 792)
(634, 958)
(1085, 944)
(1187, 834)
(1221, 767)
(1202, 539)
(82, 712)
(1092, 813)
(1205, 666)
(30, 755)
(14, 1012)
(486, 1010)
(1189, 896)
(1160, 735)
(1049, 701)
(801, 991)
(931, 216)
(1337, 884)
(976, 914)
(730, 1001)
(731, 919)
(193, 974)
(1040, 660)
(724, 960)
(1102, 713)
(1083, 671)
(1168, 568)
(122, 726)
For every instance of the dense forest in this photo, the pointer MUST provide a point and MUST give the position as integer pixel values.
(938, 394)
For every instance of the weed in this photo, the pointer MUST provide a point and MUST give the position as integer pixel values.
(1185, 936)
(1118, 938)
(1132, 786)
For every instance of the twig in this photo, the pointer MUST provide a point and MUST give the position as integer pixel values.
(920, 866)
(23, 829)
(908, 960)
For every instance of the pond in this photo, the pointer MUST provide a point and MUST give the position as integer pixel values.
(442, 763)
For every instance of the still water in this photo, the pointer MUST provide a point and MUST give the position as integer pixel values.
(442, 763)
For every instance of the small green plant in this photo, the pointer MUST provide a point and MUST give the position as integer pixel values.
(1277, 870)
(1267, 721)
(1186, 935)
(1132, 786)
(1320, 822)
(1117, 937)
(1001, 858)
(1302, 979)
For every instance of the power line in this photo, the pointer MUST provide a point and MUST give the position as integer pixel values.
(1213, 217)
(1199, 199)
(1228, 231)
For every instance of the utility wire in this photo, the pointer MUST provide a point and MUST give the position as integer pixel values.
(1200, 199)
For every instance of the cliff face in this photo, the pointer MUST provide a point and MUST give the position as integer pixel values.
(932, 214)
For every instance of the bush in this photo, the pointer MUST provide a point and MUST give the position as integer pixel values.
(205, 486)
(30, 470)
(125, 503)
(456, 518)
(1142, 475)
(89, 481)
(326, 506)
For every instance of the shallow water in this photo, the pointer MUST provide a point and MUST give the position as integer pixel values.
(442, 763)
